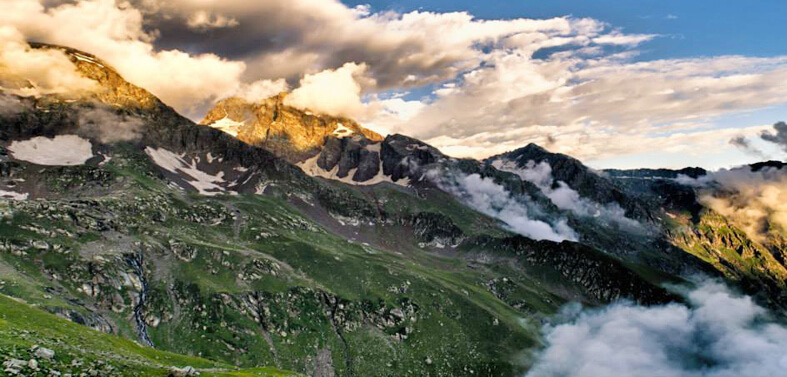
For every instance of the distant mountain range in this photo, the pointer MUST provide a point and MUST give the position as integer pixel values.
(271, 236)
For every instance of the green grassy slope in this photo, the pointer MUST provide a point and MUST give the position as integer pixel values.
(79, 349)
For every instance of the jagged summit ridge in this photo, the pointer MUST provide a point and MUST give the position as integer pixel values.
(292, 133)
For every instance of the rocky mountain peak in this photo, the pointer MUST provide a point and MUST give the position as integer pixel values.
(292, 133)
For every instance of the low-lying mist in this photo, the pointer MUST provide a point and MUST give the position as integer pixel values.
(717, 333)
(492, 199)
(566, 198)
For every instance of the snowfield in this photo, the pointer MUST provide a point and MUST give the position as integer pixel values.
(205, 183)
(342, 131)
(13, 195)
(62, 150)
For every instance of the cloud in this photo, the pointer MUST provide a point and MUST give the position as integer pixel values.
(32, 72)
(491, 199)
(717, 333)
(400, 49)
(202, 21)
(564, 197)
(108, 126)
(779, 136)
(746, 146)
(10, 105)
(592, 107)
(262, 89)
(755, 201)
(333, 92)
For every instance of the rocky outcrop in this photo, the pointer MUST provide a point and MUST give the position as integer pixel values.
(598, 277)
(347, 154)
(405, 157)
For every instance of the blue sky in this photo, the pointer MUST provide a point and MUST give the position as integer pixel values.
(689, 27)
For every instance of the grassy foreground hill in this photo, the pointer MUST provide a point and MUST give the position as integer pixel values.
(25, 329)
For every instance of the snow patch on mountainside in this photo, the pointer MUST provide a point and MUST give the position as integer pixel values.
(342, 131)
(62, 150)
(311, 168)
(13, 195)
(207, 184)
(86, 58)
(228, 125)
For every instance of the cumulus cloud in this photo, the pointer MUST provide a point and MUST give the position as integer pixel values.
(491, 199)
(333, 92)
(564, 197)
(593, 107)
(33, 72)
(778, 136)
(262, 89)
(717, 333)
(400, 49)
(109, 127)
(756, 201)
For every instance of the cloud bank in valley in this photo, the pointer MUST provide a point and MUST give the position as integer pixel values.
(717, 333)
(488, 85)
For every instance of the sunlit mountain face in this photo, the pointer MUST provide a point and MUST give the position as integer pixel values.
(319, 188)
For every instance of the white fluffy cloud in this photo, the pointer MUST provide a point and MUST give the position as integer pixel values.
(333, 92)
(115, 32)
(29, 72)
(566, 198)
(491, 199)
(716, 334)
(593, 107)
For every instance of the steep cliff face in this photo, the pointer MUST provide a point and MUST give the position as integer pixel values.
(289, 132)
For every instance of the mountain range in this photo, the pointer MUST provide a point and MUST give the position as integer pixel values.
(271, 240)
